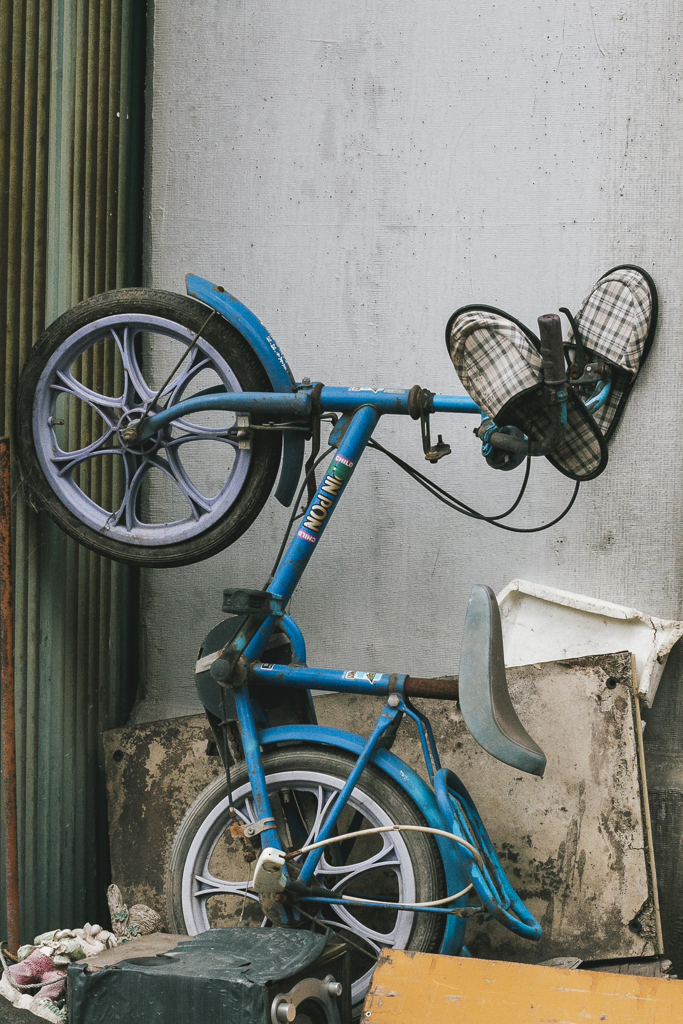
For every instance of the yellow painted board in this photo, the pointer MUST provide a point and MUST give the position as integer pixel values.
(424, 988)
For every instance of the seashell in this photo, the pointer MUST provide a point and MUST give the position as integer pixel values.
(24, 951)
(95, 929)
(45, 937)
(73, 949)
(144, 918)
(65, 933)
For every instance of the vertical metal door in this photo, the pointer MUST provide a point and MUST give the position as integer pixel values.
(71, 121)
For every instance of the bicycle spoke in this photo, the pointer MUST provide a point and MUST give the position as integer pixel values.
(197, 433)
(376, 945)
(385, 858)
(70, 386)
(198, 362)
(73, 459)
(325, 800)
(210, 886)
(130, 466)
(369, 935)
(134, 375)
(199, 504)
(133, 490)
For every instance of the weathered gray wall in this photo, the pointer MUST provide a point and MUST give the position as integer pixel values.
(353, 172)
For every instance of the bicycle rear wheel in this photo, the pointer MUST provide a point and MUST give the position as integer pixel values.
(183, 494)
(207, 877)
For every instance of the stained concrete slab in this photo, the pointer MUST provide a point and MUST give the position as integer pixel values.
(574, 844)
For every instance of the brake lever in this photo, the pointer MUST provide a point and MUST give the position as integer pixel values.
(432, 452)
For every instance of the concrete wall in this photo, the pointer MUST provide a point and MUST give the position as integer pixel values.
(354, 172)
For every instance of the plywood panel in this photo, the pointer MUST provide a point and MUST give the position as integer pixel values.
(422, 988)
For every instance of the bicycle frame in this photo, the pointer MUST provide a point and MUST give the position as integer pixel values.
(446, 804)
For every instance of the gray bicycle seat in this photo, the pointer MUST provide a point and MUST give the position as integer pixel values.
(484, 699)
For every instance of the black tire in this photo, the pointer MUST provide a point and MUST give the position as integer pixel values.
(201, 847)
(231, 352)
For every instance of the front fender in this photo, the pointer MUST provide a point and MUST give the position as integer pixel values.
(273, 362)
(414, 787)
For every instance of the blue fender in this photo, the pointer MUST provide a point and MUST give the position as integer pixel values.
(414, 787)
(273, 362)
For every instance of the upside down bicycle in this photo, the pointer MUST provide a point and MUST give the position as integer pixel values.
(311, 826)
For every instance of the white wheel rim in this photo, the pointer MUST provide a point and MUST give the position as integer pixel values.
(198, 884)
(122, 524)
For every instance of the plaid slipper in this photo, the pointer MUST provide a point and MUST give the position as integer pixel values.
(498, 360)
(617, 323)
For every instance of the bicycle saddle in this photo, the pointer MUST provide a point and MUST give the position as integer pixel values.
(484, 699)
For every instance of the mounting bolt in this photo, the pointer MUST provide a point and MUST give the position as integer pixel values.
(334, 988)
(129, 436)
(286, 1012)
(305, 381)
(220, 670)
(394, 700)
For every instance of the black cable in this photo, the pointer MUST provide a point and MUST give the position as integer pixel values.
(459, 506)
(295, 514)
(436, 490)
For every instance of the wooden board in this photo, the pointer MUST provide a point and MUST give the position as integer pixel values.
(423, 988)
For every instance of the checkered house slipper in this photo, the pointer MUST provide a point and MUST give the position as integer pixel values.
(499, 362)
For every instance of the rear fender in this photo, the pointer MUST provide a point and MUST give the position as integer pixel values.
(273, 362)
(414, 787)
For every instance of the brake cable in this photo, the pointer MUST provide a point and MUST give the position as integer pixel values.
(459, 506)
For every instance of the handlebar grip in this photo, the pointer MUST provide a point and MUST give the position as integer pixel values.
(552, 352)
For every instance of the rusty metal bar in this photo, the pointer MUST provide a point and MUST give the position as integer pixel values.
(9, 759)
(441, 688)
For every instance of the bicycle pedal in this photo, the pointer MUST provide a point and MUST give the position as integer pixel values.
(438, 451)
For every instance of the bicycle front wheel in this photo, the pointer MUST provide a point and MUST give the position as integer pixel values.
(207, 877)
(185, 493)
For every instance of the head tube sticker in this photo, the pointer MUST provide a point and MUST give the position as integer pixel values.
(340, 468)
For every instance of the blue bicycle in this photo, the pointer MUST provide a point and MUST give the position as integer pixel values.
(151, 428)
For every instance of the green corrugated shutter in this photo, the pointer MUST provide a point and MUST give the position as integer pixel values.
(71, 110)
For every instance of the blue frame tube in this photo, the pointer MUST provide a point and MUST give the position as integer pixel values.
(298, 404)
(283, 584)
(296, 638)
(252, 757)
(385, 719)
(337, 680)
(326, 500)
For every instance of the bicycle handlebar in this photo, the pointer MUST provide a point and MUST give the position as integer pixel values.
(555, 382)
(441, 688)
